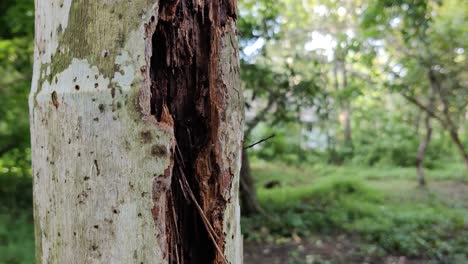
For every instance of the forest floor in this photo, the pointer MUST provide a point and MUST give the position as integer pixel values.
(410, 224)
(324, 214)
(339, 249)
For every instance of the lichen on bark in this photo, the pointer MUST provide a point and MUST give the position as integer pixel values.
(97, 31)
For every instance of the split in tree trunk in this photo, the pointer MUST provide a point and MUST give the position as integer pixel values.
(184, 70)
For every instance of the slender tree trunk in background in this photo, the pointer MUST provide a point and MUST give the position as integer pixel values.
(136, 128)
(330, 142)
(248, 194)
(347, 121)
(331, 149)
(422, 151)
(345, 113)
(417, 122)
(427, 138)
(347, 110)
(460, 147)
(448, 124)
(335, 76)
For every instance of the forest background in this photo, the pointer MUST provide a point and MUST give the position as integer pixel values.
(365, 107)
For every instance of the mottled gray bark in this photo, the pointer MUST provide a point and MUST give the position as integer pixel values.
(136, 130)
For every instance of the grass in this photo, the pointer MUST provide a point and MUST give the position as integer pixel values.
(382, 206)
(305, 174)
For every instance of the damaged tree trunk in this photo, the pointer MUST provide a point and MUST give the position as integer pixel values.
(136, 128)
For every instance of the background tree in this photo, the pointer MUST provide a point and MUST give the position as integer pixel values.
(344, 181)
(274, 94)
(424, 63)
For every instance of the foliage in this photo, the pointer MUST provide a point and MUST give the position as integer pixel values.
(376, 52)
(299, 89)
(16, 41)
(380, 138)
(16, 46)
(15, 179)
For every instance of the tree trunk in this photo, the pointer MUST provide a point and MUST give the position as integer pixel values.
(417, 122)
(248, 195)
(345, 113)
(460, 147)
(136, 123)
(449, 125)
(422, 151)
(347, 110)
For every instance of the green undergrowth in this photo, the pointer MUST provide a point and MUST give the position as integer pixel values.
(351, 205)
(16, 221)
(16, 237)
(265, 172)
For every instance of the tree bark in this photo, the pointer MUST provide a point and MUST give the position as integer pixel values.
(136, 129)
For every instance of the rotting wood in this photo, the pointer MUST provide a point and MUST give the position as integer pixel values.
(184, 74)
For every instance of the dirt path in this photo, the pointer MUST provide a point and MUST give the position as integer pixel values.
(337, 250)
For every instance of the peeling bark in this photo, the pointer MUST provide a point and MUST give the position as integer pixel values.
(136, 136)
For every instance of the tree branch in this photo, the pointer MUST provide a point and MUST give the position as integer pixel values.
(260, 116)
(424, 108)
(260, 141)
